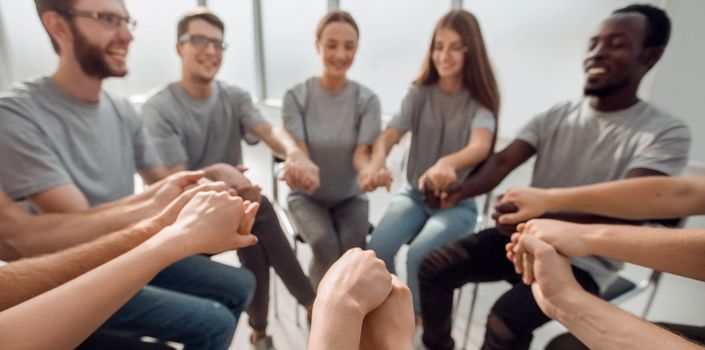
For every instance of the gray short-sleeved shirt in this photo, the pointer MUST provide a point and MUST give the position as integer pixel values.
(440, 124)
(49, 139)
(577, 145)
(200, 132)
(335, 124)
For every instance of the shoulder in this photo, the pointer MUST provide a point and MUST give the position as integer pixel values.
(160, 96)
(231, 91)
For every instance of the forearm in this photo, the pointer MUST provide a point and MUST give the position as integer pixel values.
(383, 144)
(362, 157)
(334, 327)
(667, 197)
(600, 325)
(465, 158)
(33, 276)
(677, 251)
(83, 303)
(281, 142)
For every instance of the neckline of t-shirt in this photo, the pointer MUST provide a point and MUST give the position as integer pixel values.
(317, 82)
(55, 89)
(621, 114)
(460, 93)
(198, 102)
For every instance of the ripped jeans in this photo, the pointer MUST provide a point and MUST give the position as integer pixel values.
(474, 259)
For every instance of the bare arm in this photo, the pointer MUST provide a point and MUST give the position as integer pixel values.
(206, 225)
(24, 235)
(362, 157)
(300, 171)
(637, 198)
(595, 322)
(492, 172)
(36, 275)
(376, 174)
(443, 173)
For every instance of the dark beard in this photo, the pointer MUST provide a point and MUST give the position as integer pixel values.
(605, 91)
(90, 57)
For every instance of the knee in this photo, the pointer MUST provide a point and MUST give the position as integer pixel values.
(241, 290)
(431, 266)
(498, 332)
(221, 326)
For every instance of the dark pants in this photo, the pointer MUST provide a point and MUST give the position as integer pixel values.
(479, 258)
(272, 250)
(567, 341)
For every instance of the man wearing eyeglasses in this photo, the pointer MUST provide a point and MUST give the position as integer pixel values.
(66, 146)
(199, 122)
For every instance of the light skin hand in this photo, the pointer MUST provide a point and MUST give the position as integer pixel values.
(163, 192)
(358, 280)
(531, 203)
(210, 221)
(441, 175)
(392, 324)
(301, 173)
(233, 177)
(373, 176)
(567, 238)
(549, 272)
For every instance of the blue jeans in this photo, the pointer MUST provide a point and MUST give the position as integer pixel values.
(409, 219)
(195, 301)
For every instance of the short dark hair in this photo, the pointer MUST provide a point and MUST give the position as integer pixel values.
(658, 24)
(60, 6)
(201, 13)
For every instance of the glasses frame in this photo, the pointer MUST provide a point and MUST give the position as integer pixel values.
(217, 44)
(105, 18)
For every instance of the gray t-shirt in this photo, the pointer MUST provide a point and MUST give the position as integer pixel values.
(440, 124)
(335, 124)
(200, 132)
(577, 145)
(49, 139)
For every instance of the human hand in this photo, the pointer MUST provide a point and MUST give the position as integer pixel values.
(567, 238)
(373, 176)
(164, 191)
(548, 272)
(392, 324)
(357, 283)
(213, 222)
(530, 203)
(439, 176)
(233, 177)
(301, 173)
(504, 208)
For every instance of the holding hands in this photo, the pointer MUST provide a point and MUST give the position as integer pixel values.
(375, 175)
(360, 305)
(301, 172)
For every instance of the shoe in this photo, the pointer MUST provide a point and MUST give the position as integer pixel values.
(265, 343)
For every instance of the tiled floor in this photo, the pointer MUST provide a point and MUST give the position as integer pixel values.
(678, 299)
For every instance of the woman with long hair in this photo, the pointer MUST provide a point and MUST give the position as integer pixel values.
(335, 120)
(451, 111)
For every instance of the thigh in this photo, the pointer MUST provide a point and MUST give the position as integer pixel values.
(199, 276)
(352, 222)
(444, 226)
(313, 221)
(475, 258)
(403, 219)
(168, 315)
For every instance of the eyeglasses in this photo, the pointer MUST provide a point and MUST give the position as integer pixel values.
(107, 19)
(201, 42)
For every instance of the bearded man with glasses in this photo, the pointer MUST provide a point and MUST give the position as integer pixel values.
(67, 146)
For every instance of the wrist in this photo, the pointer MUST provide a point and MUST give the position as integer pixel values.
(173, 242)
(570, 305)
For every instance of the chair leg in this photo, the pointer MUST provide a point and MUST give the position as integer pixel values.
(456, 303)
(473, 300)
(275, 296)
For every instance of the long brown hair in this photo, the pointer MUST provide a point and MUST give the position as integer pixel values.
(478, 76)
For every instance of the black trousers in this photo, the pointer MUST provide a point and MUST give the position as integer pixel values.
(480, 258)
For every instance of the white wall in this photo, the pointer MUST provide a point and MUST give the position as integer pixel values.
(678, 84)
